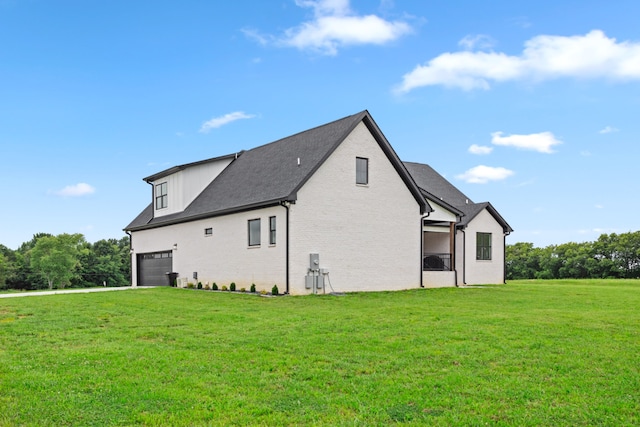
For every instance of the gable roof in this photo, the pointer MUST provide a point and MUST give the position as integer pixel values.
(271, 174)
(435, 185)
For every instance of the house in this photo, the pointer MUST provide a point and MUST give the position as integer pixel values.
(330, 208)
(463, 242)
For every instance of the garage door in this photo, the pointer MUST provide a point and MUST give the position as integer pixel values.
(153, 268)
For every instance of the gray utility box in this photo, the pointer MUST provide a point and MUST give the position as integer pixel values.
(314, 262)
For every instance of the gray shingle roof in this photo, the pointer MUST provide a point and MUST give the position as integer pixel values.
(270, 174)
(435, 185)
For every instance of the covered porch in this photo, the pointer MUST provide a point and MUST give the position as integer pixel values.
(438, 254)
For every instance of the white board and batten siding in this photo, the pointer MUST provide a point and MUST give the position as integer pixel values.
(367, 236)
(185, 185)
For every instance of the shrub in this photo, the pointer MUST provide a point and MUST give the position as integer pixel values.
(274, 290)
(263, 292)
(207, 287)
(214, 286)
(199, 285)
(189, 285)
(224, 288)
(243, 290)
(232, 287)
(253, 287)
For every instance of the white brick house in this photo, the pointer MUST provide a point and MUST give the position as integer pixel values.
(337, 194)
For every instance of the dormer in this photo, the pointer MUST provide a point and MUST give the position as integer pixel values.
(175, 188)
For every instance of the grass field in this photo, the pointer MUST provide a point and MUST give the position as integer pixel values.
(525, 353)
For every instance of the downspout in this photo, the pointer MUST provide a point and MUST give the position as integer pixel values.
(504, 254)
(453, 255)
(422, 248)
(285, 204)
(464, 257)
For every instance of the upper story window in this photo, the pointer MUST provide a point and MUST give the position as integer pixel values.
(272, 230)
(483, 246)
(161, 196)
(208, 232)
(362, 170)
(254, 232)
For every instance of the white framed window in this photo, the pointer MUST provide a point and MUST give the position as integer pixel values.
(362, 171)
(161, 196)
(254, 232)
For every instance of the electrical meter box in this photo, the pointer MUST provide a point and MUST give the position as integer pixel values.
(314, 262)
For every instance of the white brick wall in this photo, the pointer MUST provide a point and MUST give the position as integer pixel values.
(367, 236)
(225, 256)
(480, 271)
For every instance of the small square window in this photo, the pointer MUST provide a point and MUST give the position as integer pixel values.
(362, 171)
(208, 232)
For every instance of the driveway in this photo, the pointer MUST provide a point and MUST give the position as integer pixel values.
(70, 291)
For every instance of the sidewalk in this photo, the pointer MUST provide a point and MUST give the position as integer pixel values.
(71, 291)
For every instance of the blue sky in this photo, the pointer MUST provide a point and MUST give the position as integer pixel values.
(530, 105)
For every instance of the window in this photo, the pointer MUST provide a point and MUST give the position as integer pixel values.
(254, 232)
(208, 232)
(161, 196)
(483, 246)
(362, 170)
(272, 230)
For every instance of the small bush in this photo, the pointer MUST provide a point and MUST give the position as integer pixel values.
(263, 292)
(214, 286)
(224, 288)
(252, 288)
(232, 287)
(207, 287)
(189, 285)
(274, 290)
(199, 285)
(243, 290)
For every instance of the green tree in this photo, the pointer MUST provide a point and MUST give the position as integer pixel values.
(4, 271)
(56, 258)
(105, 262)
(523, 261)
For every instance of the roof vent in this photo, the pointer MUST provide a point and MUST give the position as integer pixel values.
(298, 161)
(467, 201)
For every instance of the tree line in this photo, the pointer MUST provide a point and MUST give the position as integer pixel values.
(65, 260)
(611, 256)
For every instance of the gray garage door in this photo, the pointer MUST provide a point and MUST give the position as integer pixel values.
(153, 268)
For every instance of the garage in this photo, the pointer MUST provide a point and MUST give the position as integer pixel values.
(153, 268)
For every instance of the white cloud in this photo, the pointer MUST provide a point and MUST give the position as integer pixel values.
(216, 122)
(480, 149)
(479, 41)
(482, 174)
(599, 206)
(334, 25)
(608, 129)
(77, 190)
(541, 142)
(544, 57)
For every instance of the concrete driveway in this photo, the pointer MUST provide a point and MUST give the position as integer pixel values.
(70, 291)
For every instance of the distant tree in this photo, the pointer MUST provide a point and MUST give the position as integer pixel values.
(523, 261)
(55, 258)
(4, 271)
(105, 262)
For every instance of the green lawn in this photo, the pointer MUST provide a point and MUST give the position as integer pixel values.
(525, 353)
